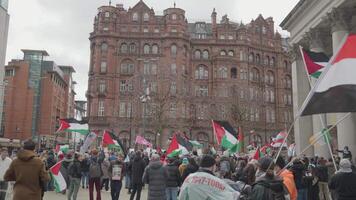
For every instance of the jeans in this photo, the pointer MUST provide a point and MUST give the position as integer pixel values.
(324, 193)
(136, 188)
(96, 182)
(3, 187)
(115, 189)
(171, 193)
(85, 179)
(105, 182)
(73, 188)
(128, 182)
(302, 194)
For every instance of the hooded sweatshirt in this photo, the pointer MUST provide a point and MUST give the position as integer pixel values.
(28, 171)
(155, 176)
(288, 181)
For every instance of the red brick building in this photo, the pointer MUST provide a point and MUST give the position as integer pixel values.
(37, 93)
(194, 72)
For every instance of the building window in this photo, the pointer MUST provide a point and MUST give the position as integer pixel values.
(173, 30)
(146, 49)
(201, 111)
(233, 72)
(155, 49)
(102, 86)
(152, 86)
(205, 54)
(146, 17)
(145, 30)
(197, 54)
(273, 116)
(223, 91)
(107, 14)
(242, 94)
(173, 69)
(231, 53)
(103, 67)
(222, 72)
(123, 48)
(269, 78)
(173, 110)
(258, 58)
(201, 91)
(272, 63)
(272, 96)
(104, 47)
(251, 57)
(222, 37)
(173, 88)
(201, 73)
(125, 109)
(173, 50)
(288, 82)
(254, 75)
(156, 30)
(101, 108)
(132, 48)
(10, 72)
(125, 86)
(231, 37)
(153, 68)
(243, 74)
(127, 67)
(267, 60)
(174, 16)
(135, 17)
(223, 53)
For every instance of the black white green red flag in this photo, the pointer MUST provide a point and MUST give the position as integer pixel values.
(110, 140)
(225, 134)
(335, 90)
(178, 146)
(57, 177)
(73, 125)
(314, 62)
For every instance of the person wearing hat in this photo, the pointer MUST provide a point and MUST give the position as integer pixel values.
(268, 186)
(183, 166)
(287, 177)
(203, 184)
(344, 181)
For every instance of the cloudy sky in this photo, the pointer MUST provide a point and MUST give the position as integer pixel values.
(62, 27)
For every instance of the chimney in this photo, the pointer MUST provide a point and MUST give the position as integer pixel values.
(213, 22)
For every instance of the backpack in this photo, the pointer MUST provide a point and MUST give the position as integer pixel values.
(73, 170)
(274, 189)
(225, 166)
(94, 169)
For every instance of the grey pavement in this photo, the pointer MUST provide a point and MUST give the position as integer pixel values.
(84, 195)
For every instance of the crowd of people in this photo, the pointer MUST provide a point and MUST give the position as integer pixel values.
(209, 175)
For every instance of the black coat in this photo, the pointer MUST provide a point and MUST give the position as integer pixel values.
(84, 164)
(344, 185)
(174, 178)
(155, 176)
(137, 169)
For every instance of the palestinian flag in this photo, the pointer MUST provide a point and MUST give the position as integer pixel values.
(196, 144)
(279, 139)
(266, 149)
(258, 154)
(73, 125)
(111, 141)
(225, 134)
(178, 146)
(314, 62)
(59, 181)
(238, 147)
(336, 89)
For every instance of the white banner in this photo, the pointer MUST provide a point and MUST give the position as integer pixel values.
(88, 141)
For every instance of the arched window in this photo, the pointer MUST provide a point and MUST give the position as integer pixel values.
(223, 53)
(267, 61)
(123, 48)
(155, 49)
(173, 50)
(269, 78)
(197, 54)
(205, 54)
(251, 57)
(201, 72)
(127, 67)
(146, 17)
(254, 74)
(231, 53)
(222, 72)
(233, 72)
(135, 17)
(288, 82)
(107, 14)
(273, 61)
(132, 48)
(104, 47)
(258, 58)
(271, 96)
(174, 16)
(146, 49)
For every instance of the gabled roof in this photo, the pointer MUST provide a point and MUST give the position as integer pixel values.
(141, 5)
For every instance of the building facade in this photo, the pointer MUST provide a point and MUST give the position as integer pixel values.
(38, 92)
(319, 26)
(4, 28)
(153, 75)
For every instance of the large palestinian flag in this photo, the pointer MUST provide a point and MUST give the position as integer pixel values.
(314, 62)
(59, 181)
(110, 140)
(179, 146)
(224, 133)
(73, 125)
(336, 89)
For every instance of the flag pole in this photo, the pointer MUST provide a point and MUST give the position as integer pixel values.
(320, 117)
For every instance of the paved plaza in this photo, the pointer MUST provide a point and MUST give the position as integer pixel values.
(84, 195)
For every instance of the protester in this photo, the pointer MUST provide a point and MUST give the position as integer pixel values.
(138, 168)
(5, 162)
(344, 181)
(183, 166)
(94, 175)
(225, 166)
(67, 160)
(192, 167)
(28, 172)
(268, 186)
(299, 170)
(128, 172)
(116, 174)
(75, 174)
(85, 164)
(145, 158)
(249, 173)
(346, 153)
(51, 161)
(287, 177)
(155, 176)
(321, 172)
(105, 177)
(173, 180)
(204, 184)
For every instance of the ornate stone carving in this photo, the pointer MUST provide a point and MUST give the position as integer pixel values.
(314, 38)
(337, 21)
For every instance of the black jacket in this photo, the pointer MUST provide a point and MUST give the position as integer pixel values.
(74, 169)
(344, 185)
(155, 176)
(174, 178)
(137, 169)
(322, 173)
(189, 170)
(85, 165)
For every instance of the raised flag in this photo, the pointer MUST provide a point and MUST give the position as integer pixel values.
(59, 181)
(258, 154)
(178, 146)
(291, 150)
(143, 141)
(112, 141)
(73, 125)
(91, 137)
(279, 139)
(314, 62)
(196, 144)
(224, 133)
(321, 138)
(335, 91)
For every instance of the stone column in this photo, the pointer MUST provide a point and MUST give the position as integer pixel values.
(345, 130)
(303, 128)
(319, 121)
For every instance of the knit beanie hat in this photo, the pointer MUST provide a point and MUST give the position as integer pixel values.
(345, 166)
(185, 161)
(280, 162)
(264, 163)
(207, 161)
